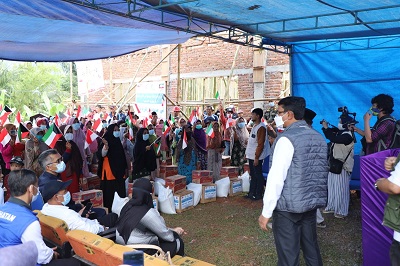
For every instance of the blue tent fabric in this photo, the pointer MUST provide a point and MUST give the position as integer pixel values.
(330, 79)
(52, 30)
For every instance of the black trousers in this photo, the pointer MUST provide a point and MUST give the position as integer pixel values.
(169, 246)
(295, 230)
(256, 181)
(395, 253)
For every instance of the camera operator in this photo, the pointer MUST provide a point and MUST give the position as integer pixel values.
(342, 142)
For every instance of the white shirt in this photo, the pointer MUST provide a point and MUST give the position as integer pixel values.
(72, 218)
(395, 179)
(34, 233)
(281, 161)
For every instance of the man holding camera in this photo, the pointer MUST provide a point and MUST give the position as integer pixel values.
(342, 153)
(379, 137)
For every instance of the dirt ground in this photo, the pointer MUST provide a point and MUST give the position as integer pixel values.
(226, 232)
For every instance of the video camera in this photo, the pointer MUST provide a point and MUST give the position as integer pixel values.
(346, 112)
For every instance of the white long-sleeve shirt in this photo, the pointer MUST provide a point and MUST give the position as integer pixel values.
(281, 161)
(34, 233)
(72, 218)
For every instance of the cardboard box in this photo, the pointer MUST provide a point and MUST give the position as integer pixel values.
(94, 195)
(208, 193)
(202, 176)
(226, 160)
(93, 182)
(178, 260)
(83, 195)
(236, 187)
(168, 170)
(183, 200)
(231, 171)
(176, 183)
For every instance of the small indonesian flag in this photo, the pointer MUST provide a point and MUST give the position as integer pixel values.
(97, 125)
(193, 116)
(145, 122)
(57, 120)
(22, 133)
(78, 112)
(4, 137)
(18, 119)
(52, 135)
(184, 143)
(90, 137)
(210, 131)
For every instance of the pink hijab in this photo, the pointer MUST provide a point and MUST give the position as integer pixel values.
(79, 139)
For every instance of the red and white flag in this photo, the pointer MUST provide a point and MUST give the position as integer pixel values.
(97, 125)
(193, 116)
(137, 108)
(184, 140)
(4, 137)
(4, 115)
(18, 119)
(78, 112)
(90, 137)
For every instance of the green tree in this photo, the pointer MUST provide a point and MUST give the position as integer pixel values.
(66, 85)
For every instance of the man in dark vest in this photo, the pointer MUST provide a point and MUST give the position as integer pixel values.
(296, 185)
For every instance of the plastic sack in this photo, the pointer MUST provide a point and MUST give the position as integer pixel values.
(245, 181)
(118, 203)
(157, 183)
(166, 200)
(196, 188)
(223, 187)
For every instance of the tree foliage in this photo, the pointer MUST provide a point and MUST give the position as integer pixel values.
(34, 87)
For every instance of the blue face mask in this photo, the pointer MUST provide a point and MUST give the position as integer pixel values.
(116, 134)
(43, 127)
(105, 125)
(76, 126)
(199, 127)
(375, 111)
(241, 124)
(67, 198)
(151, 131)
(145, 137)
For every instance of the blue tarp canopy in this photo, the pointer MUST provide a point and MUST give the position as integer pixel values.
(66, 30)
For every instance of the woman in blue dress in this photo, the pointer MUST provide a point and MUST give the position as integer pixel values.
(186, 153)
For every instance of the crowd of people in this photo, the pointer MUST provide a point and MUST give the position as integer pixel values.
(302, 177)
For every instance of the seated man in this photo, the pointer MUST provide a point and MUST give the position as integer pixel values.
(18, 224)
(56, 196)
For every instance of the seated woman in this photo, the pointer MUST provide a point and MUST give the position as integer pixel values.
(140, 223)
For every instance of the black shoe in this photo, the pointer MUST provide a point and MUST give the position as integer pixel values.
(256, 198)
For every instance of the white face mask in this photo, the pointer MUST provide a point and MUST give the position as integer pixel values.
(69, 136)
(61, 167)
(340, 126)
(279, 120)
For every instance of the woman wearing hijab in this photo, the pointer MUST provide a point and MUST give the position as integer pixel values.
(215, 147)
(238, 145)
(112, 165)
(144, 156)
(34, 146)
(79, 139)
(71, 157)
(200, 137)
(11, 148)
(92, 146)
(140, 223)
(186, 157)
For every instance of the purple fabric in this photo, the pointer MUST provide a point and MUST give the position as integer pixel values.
(200, 137)
(376, 238)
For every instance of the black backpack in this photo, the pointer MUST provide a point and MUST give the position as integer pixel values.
(395, 142)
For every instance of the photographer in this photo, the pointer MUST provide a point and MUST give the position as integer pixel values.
(341, 155)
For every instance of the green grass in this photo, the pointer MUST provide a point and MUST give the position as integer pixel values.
(226, 232)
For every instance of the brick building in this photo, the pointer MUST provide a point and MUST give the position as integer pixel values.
(206, 66)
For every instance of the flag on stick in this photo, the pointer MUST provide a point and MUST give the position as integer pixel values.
(18, 119)
(193, 117)
(216, 95)
(210, 131)
(22, 133)
(184, 143)
(52, 135)
(78, 112)
(90, 137)
(4, 137)
(4, 115)
(97, 125)
(167, 128)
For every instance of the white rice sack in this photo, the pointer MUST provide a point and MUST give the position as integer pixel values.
(196, 188)
(223, 187)
(245, 181)
(166, 200)
(118, 203)
(157, 183)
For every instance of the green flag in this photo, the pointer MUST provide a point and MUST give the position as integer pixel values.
(217, 95)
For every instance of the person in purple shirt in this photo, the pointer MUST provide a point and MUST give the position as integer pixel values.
(379, 137)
